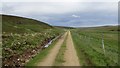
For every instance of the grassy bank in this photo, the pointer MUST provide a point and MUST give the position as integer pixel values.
(23, 37)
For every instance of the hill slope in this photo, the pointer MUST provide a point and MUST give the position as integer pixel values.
(22, 25)
(23, 38)
(101, 29)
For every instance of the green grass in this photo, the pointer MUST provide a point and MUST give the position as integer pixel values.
(82, 57)
(89, 47)
(60, 56)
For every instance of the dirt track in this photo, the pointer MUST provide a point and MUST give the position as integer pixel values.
(50, 58)
(70, 55)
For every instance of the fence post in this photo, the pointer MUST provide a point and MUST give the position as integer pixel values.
(103, 44)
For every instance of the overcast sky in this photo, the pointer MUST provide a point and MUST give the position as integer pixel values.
(75, 13)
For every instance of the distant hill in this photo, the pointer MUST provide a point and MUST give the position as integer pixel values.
(102, 28)
(65, 27)
(17, 24)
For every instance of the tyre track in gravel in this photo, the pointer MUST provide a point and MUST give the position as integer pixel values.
(70, 55)
(50, 58)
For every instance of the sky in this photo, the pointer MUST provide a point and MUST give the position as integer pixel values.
(73, 13)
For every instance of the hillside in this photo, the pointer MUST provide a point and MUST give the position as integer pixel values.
(23, 38)
(65, 27)
(17, 24)
(101, 29)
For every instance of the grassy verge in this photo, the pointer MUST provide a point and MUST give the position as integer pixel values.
(90, 51)
(40, 56)
(60, 56)
(82, 57)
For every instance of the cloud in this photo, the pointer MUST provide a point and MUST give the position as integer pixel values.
(40, 8)
(75, 16)
(66, 13)
(56, 7)
(59, 0)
